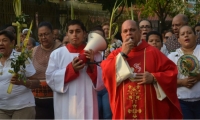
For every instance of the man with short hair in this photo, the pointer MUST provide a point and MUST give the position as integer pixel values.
(56, 35)
(178, 21)
(197, 29)
(74, 82)
(141, 81)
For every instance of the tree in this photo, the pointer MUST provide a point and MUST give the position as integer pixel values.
(193, 12)
(109, 4)
(161, 8)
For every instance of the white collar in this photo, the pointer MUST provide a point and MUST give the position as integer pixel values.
(139, 42)
(14, 54)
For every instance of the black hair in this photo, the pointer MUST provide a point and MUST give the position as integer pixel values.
(167, 32)
(188, 26)
(147, 21)
(76, 22)
(198, 24)
(8, 34)
(98, 27)
(45, 24)
(154, 33)
(4, 27)
(118, 36)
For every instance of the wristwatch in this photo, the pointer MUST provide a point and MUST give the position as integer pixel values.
(154, 81)
(123, 54)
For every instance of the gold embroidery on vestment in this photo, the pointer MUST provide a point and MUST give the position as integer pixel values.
(134, 97)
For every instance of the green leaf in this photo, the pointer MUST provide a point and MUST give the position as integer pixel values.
(11, 71)
(1, 55)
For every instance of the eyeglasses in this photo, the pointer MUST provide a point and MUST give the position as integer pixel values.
(147, 27)
(45, 35)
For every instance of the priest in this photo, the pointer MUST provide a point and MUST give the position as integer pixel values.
(142, 81)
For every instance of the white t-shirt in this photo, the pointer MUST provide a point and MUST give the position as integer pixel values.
(20, 96)
(164, 50)
(184, 93)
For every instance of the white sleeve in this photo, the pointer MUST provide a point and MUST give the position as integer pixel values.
(55, 76)
(159, 92)
(123, 70)
(99, 84)
(30, 70)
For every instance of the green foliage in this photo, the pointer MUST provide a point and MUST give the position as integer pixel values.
(164, 8)
(39, 2)
(19, 64)
(109, 4)
(1, 55)
(161, 8)
(22, 18)
(193, 14)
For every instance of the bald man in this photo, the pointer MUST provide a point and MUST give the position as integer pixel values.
(141, 81)
(172, 42)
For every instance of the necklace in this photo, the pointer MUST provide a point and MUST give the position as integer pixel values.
(48, 49)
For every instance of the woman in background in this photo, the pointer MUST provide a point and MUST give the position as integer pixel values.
(40, 57)
(188, 90)
(20, 104)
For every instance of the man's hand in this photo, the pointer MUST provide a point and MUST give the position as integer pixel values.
(127, 45)
(77, 64)
(144, 78)
(89, 55)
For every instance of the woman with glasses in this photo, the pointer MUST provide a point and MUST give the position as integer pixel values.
(40, 57)
(145, 27)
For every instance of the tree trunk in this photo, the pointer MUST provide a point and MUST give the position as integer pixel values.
(162, 24)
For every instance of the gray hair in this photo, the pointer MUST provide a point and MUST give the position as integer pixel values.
(26, 30)
(32, 41)
(183, 17)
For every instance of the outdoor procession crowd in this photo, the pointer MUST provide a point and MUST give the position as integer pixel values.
(139, 76)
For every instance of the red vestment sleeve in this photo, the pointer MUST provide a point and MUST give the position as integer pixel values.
(109, 79)
(93, 74)
(166, 76)
(70, 74)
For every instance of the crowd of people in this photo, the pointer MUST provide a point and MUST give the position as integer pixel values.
(137, 76)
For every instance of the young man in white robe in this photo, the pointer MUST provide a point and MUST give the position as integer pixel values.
(74, 83)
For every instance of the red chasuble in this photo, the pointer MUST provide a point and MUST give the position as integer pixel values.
(132, 101)
(71, 74)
